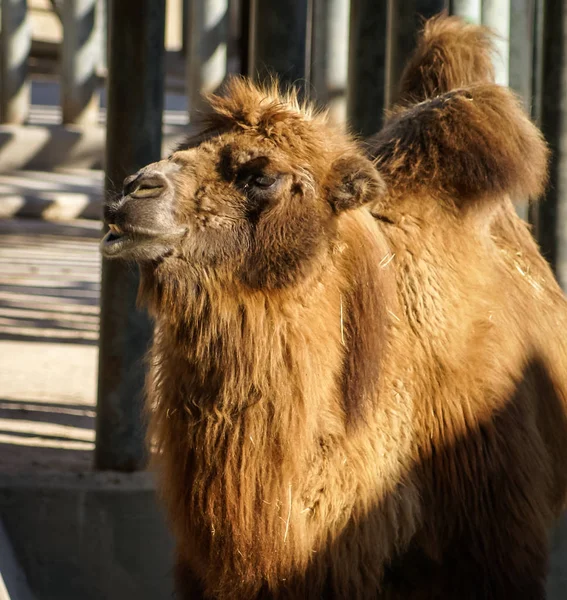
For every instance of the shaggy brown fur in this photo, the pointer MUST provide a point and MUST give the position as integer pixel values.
(469, 144)
(450, 54)
(354, 392)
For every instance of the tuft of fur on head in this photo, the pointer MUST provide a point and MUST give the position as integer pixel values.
(465, 145)
(253, 105)
(450, 54)
(243, 105)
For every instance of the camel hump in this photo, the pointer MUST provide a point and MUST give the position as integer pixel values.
(468, 144)
(450, 54)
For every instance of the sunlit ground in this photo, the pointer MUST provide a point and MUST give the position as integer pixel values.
(49, 294)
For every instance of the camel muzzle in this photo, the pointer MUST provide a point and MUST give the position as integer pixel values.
(141, 223)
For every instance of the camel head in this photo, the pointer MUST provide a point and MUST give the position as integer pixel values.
(256, 195)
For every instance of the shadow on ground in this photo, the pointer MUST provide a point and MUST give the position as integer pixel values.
(49, 281)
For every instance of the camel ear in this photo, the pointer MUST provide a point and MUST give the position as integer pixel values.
(353, 181)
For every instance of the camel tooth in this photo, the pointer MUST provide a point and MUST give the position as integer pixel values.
(115, 229)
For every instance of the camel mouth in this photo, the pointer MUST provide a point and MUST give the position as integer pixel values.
(119, 241)
(116, 241)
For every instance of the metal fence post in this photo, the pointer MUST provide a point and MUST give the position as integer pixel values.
(520, 65)
(134, 133)
(244, 36)
(537, 60)
(279, 41)
(329, 64)
(14, 51)
(367, 79)
(522, 31)
(81, 55)
(185, 26)
(469, 10)
(496, 15)
(208, 41)
(406, 19)
(552, 214)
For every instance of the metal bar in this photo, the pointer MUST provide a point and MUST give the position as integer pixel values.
(233, 37)
(522, 20)
(537, 86)
(185, 26)
(552, 214)
(134, 132)
(522, 16)
(469, 10)
(244, 39)
(330, 55)
(104, 33)
(537, 60)
(496, 15)
(81, 56)
(367, 80)
(406, 19)
(207, 60)
(15, 44)
(278, 44)
(309, 40)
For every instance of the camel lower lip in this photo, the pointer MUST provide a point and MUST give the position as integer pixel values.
(118, 242)
(112, 243)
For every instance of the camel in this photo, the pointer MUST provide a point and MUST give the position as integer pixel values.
(358, 380)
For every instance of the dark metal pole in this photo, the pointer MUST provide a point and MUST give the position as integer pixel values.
(366, 96)
(406, 19)
(279, 40)
(185, 26)
(537, 60)
(134, 117)
(522, 30)
(15, 44)
(244, 36)
(552, 217)
(537, 95)
(521, 47)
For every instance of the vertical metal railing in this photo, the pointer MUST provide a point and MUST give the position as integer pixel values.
(522, 38)
(134, 134)
(405, 19)
(207, 48)
(367, 79)
(329, 55)
(496, 15)
(81, 55)
(552, 214)
(306, 42)
(14, 52)
(470, 10)
(279, 43)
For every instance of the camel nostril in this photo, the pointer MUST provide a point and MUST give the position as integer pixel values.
(149, 185)
(130, 179)
(129, 184)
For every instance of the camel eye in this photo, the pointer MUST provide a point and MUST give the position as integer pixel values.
(252, 176)
(263, 181)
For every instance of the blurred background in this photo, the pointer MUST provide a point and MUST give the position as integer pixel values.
(92, 90)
